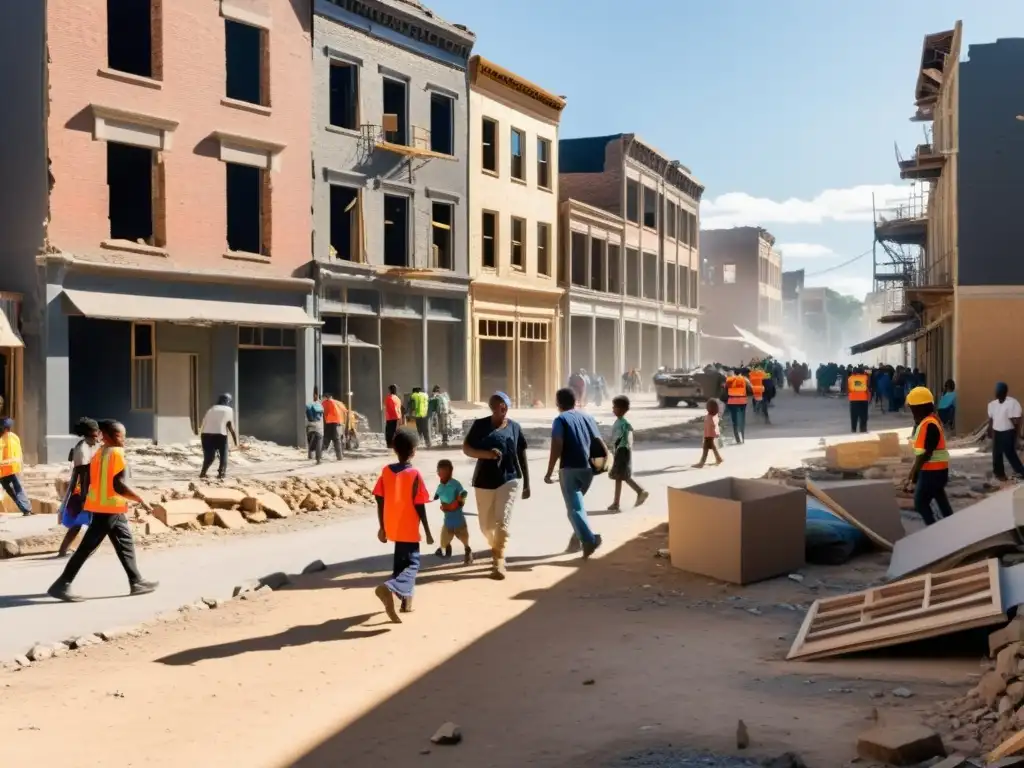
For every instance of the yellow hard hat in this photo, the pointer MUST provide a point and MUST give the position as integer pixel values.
(920, 396)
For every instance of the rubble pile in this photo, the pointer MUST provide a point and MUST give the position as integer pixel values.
(993, 710)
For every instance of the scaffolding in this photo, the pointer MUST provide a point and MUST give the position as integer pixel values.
(412, 145)
(901, 230)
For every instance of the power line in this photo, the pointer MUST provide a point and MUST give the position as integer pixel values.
(839, 266)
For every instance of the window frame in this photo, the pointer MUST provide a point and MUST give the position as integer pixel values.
(512, 156)
(151, 360)
(493, 238)
(451, 122)
(544, 161)
(264, 65)
(496, 144)
(357, 87)
(514, 244)
(437, 224)
(633, 184)
(544, 246)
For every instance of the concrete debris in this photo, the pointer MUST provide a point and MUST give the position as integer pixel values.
(85, 641)
(246, 586)
(900, 744)
(902, 693)
(448, 734)
(1011, 633)
(117, 633)
(40, 652)
(23, 661)
(214, 602)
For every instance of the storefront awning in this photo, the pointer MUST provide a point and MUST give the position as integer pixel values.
(759, 344)
(8, 336)
(120, 306)
(902, 332)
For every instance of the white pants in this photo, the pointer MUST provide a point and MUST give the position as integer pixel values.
(494, 511)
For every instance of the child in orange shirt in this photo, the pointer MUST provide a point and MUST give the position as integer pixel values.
(401, 498)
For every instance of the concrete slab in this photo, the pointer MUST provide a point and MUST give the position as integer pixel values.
(872, 502)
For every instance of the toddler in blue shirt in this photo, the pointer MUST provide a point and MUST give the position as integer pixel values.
(452, 496)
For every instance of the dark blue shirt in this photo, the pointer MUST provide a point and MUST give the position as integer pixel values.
(508, 439)
(575, 429)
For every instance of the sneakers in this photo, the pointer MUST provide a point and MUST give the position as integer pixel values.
(61, 591)
(642, 497)
(590, 549)
(387, 597)
(144, 587)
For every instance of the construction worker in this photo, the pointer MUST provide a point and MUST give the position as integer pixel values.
(859, 395)
(757, 377)
(930, 472)
(736, 387)
(420, 408)
(10, 467)
(335, 419)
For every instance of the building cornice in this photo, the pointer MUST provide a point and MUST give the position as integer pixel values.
(674, 172)
(480, 67)
(424, 29)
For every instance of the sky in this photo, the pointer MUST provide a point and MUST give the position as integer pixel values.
(786, 111)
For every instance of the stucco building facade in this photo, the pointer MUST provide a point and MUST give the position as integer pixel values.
(390, 161)
(155, 216)
(515, 298)
(628, 257)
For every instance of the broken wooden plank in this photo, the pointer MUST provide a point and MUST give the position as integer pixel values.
(834, 507)
(904, 611)
(1012, 746)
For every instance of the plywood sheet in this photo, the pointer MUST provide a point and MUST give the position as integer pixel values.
(912, 609)
(871, 502)
(836, 508)
(998, 514)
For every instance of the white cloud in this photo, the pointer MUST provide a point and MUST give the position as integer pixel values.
(805, 250)
(850, 285)
(738, 209)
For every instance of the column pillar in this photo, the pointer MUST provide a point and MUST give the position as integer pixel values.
(592, 367)
(57, 423)
(425, 343)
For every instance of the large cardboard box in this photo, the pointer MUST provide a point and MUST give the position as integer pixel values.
(737, 530)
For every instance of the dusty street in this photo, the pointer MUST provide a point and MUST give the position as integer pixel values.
(560, 665)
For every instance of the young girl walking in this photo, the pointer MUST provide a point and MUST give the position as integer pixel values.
(711, 434)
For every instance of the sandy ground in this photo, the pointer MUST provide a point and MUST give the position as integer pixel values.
(560, 665)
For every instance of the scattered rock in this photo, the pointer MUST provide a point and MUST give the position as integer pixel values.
(85, 641)
(256, 518)
(214, 602)
(40, 652)
(664, 553)
(245, 587)
(9, 548)
(742, 736)
(1011, 633)
(1006, 659)
(168, 617)
(221, 498)
(276, 580)
(22, 661)
(797, 577)
(229, 518)
(154, 526)
(315, 567)
(902, 693)
(589, 681)
(991, 687)
(116, 633)
(900, 744)
(876, 694)
(448, 734)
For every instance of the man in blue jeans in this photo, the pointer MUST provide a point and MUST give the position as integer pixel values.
(571, 435)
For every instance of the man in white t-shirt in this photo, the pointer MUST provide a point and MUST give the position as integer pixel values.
(217, 425)
(1004, 415)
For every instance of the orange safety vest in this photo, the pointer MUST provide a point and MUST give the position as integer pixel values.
(857, 387)
(401, 492)
(102, 499)
(736, 387)
(332, 411)
(940, 456)
(10, 455)
(757, 384)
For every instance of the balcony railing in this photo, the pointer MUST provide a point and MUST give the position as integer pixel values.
(934, 274)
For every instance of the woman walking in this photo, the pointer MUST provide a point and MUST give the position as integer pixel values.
(501, 475)
(107, 499)
(72, 514)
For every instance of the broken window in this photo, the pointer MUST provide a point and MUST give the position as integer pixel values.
(396, 115)
(632, 201)
(518, 153)
(650, 208)
(543, 163)
(346, 224)
(490, 145)
(245, 208)
(396, 231)
(442, 124)
(135, 197)
(490, 243)
(614, 268)
(650, 276)
(543, 249)
(578, 255)
(442, 216)
(344, 95)
(518, 243)
(632, 272)
(132, 27)
(671, 212)
(597, 264)
(143, 354)
(245, 60)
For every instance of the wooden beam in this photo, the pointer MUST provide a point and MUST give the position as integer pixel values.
(933, 74)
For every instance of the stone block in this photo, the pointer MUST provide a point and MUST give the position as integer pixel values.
(221, 498)
(180, 512)
(900, 744)
(1006, 659)
(858, 454)
(229, 518)
(275, 507)
(1011, 633)
(153, 526)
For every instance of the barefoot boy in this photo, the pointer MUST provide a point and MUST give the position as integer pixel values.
(401, 496)
(452, 496)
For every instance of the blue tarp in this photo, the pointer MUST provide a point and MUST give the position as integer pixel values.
(829, 540)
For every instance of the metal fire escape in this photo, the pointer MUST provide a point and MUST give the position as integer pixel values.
(900, 236)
